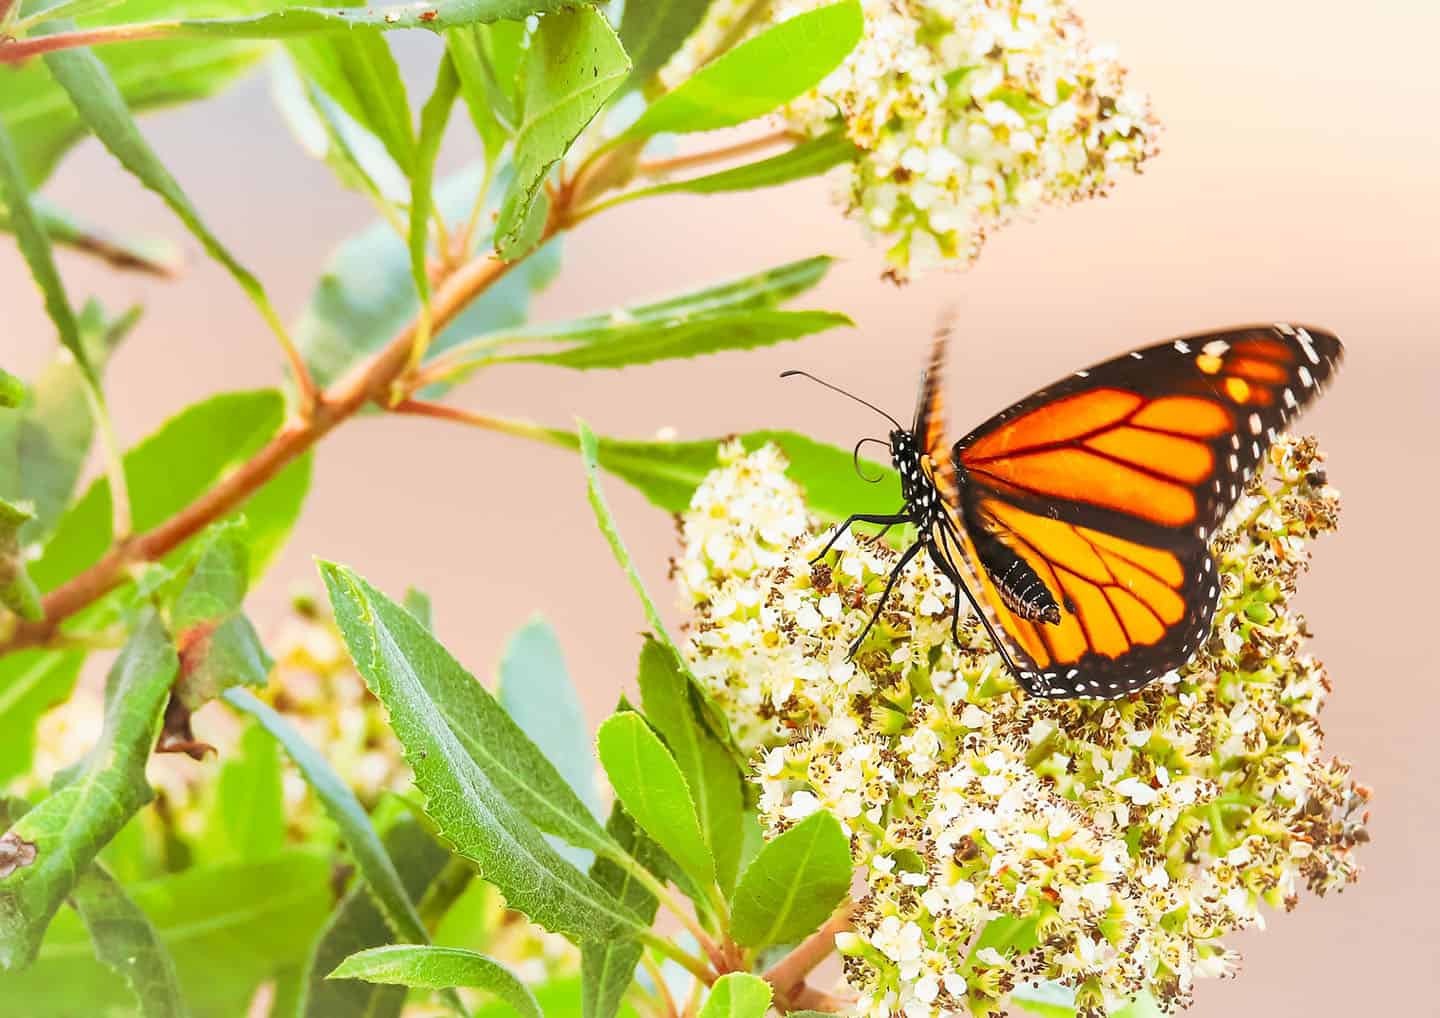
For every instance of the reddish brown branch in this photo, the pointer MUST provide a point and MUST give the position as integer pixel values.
(787, 976)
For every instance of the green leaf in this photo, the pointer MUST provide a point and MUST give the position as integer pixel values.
(652, 32)
(12, 390)
(155, 255)
(1143, 1006)
(759, 75)
(367, 294)
(808, 159)
(607, 969)
(650, 784)
(433, 119)
(358, 923)
(793, 885)
(102, 107)
(45, 443)
(435, 968)
(709, 771)
(357, 70)
(246, 821)
(107, 788)
(18, 592)
(486, 58)
(125, 940)
(31, 682)
(258, 918)
(1049, 1000)
(214, 579)
(737, 995)
(35, 248)
(392, 650)
(381, 878)
(573, 65)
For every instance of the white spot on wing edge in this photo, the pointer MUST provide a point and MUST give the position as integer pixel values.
(1215, 348)
(1181, 346)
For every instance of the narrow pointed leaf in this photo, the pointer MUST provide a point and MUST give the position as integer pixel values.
(390, 649)
(737, 995)
(607, 969)
(105, 790)
(357, 70)
(714, 780)
(573, 65)
(759, 75)
(125, 940)
(434, 968)
(485, 59)
(246, 820)
(652, 32)
(653, 790)
(793, 885)
(433, 119)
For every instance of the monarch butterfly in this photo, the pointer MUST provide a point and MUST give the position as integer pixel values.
(1076, 522)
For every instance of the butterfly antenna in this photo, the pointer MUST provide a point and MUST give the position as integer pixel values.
(851, 395)
(860, 470)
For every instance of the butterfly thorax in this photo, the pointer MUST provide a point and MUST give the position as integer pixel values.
(922, 501)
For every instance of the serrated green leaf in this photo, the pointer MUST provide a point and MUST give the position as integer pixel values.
(536, 690)
(366, 294)
(31, 682)
(391, 650)
(607, 970)
(99, 797)
(808, 159)
(649, 783)
(382, 880)
(260, 918)
(433, 119)
(358, 923)
(759, 75)
(245, 821)
(433, 968)
(18, 592)
(357, 70)
(793, 885)
(573, 65)
(213, 582)
(737, 995)
(652, 32)
(711, 774)
(125, 940)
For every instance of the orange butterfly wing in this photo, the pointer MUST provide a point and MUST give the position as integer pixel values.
(1108, 486)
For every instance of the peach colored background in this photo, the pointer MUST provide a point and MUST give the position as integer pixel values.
(1298, 181)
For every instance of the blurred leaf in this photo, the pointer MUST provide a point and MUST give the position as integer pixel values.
(18, 592)
(44, 122)
(486, 58)
(759, 75)
(794, 884)
(46, 442)
(1143, 1006)
(31, 682)
(433, 968)
(96, 799)
(213, 581)
(649, 783)
(228, 929)
(367, 294)
(572, 66)
(246, 816)
(807, 159)
(536, 690)
(34, 245)
(652, 32)
(357, 70)
(103, 108)
(12, 390)
(326, 132)
(417, 603)
(125, 941)
(155, 255)
(667, 473)
(737, 995)
(709, 771)
(1049, 1000)
(607, 969)
(358, 923)
(384, 879)
(391, 650)
(433, 119)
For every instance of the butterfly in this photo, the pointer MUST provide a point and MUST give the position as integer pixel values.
(1077, 522)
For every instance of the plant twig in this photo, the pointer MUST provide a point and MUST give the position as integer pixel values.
(690, 160)
(787, 976)
(658, 977)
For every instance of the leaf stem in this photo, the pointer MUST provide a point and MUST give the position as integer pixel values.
(16, 50)
(691, 160)
(663, 988)
(121, 520)
(695, 966)
(504, 425)
(787, 976)
(306, 393)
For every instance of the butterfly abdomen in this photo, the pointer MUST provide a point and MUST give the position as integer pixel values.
(1017, 583)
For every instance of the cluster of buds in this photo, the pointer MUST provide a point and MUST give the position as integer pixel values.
(1006, 841)
(968, 114)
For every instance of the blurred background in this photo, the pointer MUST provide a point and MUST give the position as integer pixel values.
(1297, 181)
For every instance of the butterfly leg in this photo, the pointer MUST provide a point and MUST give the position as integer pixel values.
(885, 596)
(889, 521)
(953, 574)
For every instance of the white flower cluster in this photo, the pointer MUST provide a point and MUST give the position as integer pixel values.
(968, 114)
(1007, 841)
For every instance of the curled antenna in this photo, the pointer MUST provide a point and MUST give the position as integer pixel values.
(878, 477)
(851, 395)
